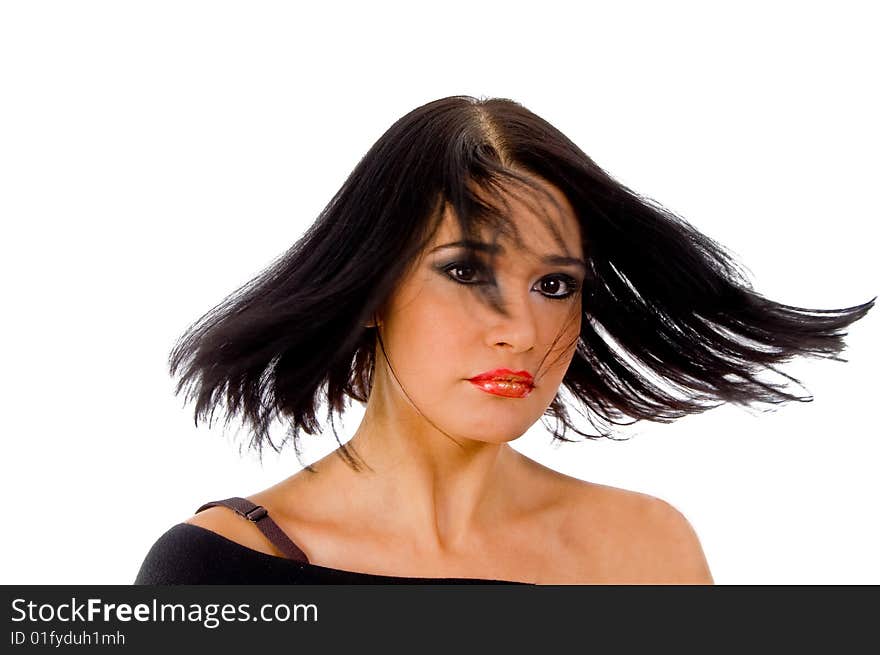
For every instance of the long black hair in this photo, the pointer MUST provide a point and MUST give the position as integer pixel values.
(670, 326)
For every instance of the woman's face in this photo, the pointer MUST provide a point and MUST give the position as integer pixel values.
(439, 333)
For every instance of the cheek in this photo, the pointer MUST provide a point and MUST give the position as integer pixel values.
(428, 334)
(565, 334)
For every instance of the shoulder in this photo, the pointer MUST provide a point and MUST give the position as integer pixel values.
(640, 539)
(193, 551)
(181, 555)
(671, 552)
(226, 523)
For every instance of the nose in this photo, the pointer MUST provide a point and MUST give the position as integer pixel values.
(517, 331)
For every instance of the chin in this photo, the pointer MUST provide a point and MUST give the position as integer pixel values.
(494, 433)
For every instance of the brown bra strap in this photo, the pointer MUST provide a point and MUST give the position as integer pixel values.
(260, 516)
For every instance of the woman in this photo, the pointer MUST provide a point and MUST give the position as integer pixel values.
(475, 264)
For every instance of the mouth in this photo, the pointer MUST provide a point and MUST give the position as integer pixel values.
(504, 382)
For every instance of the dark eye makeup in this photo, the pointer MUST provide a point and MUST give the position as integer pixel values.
(471, 268)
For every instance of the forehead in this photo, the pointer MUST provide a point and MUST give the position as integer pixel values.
(541, 221)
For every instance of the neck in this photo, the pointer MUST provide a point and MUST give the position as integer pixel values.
(440, 492)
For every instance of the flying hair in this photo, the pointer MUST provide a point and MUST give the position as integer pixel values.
(670, 323)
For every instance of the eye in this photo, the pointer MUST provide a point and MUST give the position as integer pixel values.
(558, 287)
(464, 272)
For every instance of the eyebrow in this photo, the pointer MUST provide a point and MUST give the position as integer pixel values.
(561, 260)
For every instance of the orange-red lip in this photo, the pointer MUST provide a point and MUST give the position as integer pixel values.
(504, 382)
(504, 374)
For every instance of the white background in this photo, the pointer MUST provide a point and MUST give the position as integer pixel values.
(156, 155)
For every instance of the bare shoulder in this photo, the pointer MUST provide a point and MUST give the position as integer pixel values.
(671, 552)
(628, 537)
